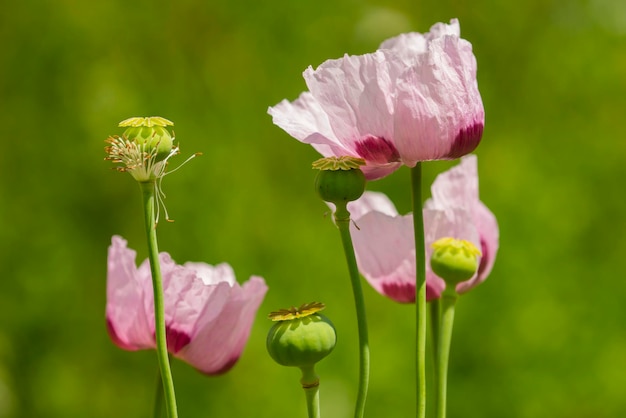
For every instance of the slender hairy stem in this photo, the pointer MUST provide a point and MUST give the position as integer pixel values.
(148, 190)
(420, 289)
(448, 300)
(311, 385)
(342, 219)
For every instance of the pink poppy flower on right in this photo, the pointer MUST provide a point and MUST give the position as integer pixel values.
(384, 243)
(414, 99)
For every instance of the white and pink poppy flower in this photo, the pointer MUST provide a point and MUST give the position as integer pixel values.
(208, 315)
(385, 246)
(414, 99)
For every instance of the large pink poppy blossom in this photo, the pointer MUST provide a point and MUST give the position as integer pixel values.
(208, 314)
(385, 247)
(414, 99)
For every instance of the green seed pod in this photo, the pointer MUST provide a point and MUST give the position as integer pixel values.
(340, 179)
(155, 136)
(150, 133)
(340, 187)
(454, 260)
(301, 340)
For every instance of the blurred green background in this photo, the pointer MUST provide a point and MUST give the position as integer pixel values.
(543, 337)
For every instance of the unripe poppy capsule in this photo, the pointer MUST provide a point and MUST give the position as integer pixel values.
(454, 260)
(302, 338)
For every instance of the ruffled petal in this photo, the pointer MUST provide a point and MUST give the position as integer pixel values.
(188, 298)
(305, 120)
(218, 341)
(457, 187)
(439, 112)
(127, 321)
(356, 94)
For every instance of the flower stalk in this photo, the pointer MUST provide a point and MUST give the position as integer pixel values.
(148, 189)
(339, 181)
(420, 289)
(342, 220)
(311, 385)
(442, 353)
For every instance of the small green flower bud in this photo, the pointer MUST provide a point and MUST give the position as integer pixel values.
(302, 337)
(454, 260)
(150, 133)
(340, 180)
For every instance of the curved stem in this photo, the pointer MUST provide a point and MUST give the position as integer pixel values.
(448, 301)
(148, 191)
(311, 385)
(420, 289)
(342, 219)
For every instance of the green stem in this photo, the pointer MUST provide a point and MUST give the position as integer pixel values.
(148, 191)
(435, 331)
(420, 289)
(311, 385)
(342, 220)
(158, 397)
(448, 301)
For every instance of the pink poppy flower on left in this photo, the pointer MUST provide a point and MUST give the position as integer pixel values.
(208, 314)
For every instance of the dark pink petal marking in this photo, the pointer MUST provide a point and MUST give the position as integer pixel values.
(400, 292)
(176, 340)
(484, 261)
(374, 149)
(114, 337)
(466, 140)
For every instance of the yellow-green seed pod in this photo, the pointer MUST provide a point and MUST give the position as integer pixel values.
(302, 338)
(454, 260)
(150, 133)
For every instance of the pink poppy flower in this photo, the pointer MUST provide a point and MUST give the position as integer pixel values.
(385, 247)
(208, 314)
(414, 99)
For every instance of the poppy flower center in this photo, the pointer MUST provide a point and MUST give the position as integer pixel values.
(375, 149)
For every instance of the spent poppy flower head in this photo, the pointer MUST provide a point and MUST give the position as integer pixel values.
(385, 246)
(414, 99)
(208, 314)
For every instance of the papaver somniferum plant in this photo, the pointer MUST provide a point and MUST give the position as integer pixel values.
(415, 99)
(384, 243)
(208, 314)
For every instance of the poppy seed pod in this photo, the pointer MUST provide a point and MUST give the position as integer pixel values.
(150, 133)
(454, 260)
(301, 339)
(339, 180)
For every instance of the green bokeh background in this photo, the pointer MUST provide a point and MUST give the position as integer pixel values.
(543, 337)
